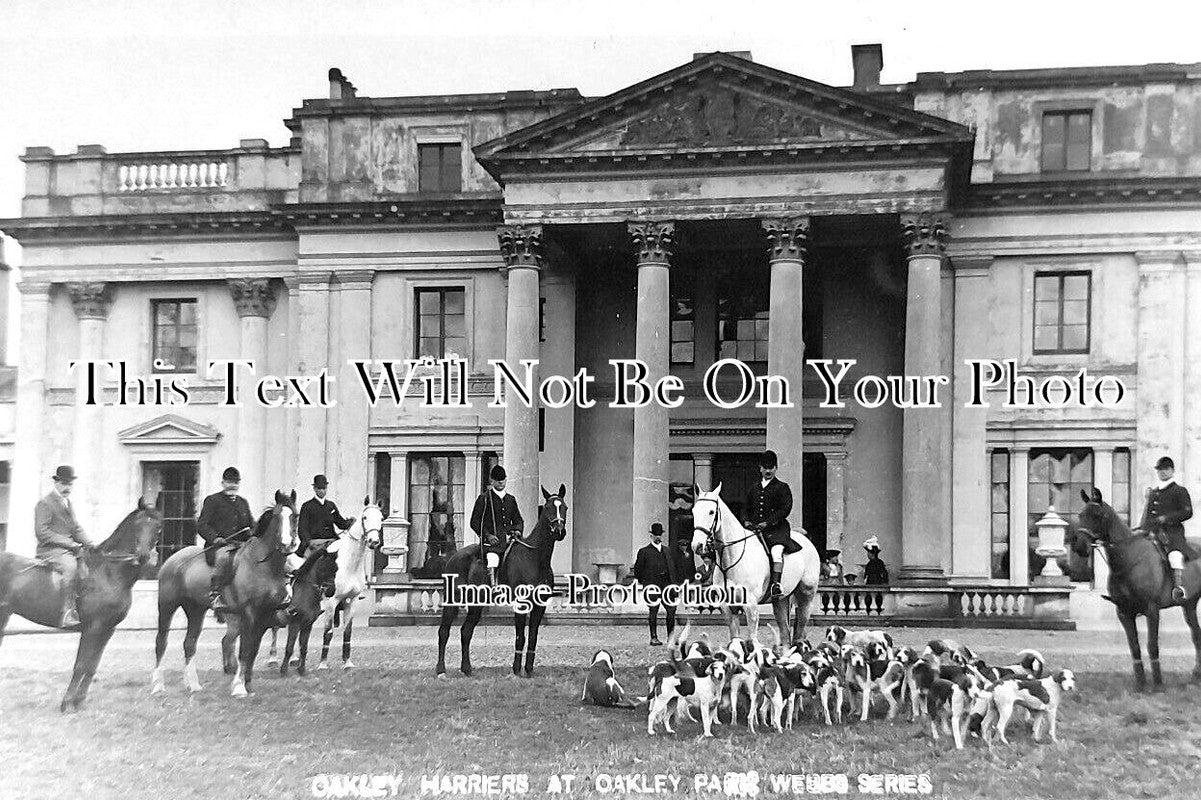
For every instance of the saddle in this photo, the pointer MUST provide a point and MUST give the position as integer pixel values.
(1161, 544)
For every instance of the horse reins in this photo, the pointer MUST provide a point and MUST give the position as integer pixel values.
(719, 546)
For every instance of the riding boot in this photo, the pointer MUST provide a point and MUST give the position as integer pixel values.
(1178, 592)
(776, 571)
(492, 576)
(70, 617)
(216, 603)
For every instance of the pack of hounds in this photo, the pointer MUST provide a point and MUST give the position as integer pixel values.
(946, 682)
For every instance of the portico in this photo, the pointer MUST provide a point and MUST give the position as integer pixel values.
(724, 166)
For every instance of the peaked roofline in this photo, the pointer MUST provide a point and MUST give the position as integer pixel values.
(512, 145)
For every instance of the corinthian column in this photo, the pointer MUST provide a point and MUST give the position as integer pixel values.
(254, 298)
(786, 347)
(922, 477)
(91, 302)
(521, 248)
(652, 342)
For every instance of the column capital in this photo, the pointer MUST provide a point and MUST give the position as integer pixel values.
(925, 233)
(787, 238)
(356, 278)
(520, 246)
(653, 241)
(253, 297)
(31, 287)
(90, 299)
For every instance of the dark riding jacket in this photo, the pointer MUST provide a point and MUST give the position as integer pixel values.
(655, 567)
(221, 516)
(771, 505)
(318, 520)
(1166, 511)
(494, 518)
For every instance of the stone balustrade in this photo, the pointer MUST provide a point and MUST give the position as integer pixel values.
(91, 182)
(173, 176)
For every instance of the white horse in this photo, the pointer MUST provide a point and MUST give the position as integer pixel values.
(743, 560)
(349, 583)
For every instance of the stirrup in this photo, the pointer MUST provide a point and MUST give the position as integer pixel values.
(1178, 593)
(775, 590)
(70, 618)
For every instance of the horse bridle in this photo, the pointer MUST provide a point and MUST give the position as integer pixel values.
(366, 531)
(561, 521)
(716, 546)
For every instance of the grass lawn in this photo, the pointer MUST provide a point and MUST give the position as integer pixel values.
(390, 715)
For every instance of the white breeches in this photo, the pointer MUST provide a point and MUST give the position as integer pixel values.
(493, 560)
(777, 553)
(1176, 559)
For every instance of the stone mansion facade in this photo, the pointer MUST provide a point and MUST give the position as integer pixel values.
(723, 209)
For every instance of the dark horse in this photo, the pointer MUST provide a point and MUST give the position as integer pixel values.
(308, 590)
(254, 596)
(30, 589)
(526, 563)
(1139, 582)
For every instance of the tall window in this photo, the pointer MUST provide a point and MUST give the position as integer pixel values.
(742, 314)
(1121, 484)
(441, 323)
(1067, 140)
(435, 511)
(174, 335)
(5, 482)
(171, 486)
(999, 513)
(1056, 478)
(1061, 312)
(683, 324)
(383, 481)
(440, 168)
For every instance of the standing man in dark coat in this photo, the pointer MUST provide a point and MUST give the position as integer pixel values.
(494, 519)
(223, 516)
(1168, 507)
(61, 539)
(320, 519)
(767, 510)
(655, 566)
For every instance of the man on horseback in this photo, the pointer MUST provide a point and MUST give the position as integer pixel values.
(767, 509)
(319, 518)
(494, 519)
(1168, 507)
(61, 540)
(223, 516)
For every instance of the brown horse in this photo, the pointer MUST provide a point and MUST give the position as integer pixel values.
(255, 594)
(29, 588)
(526, 564)
(1140, 583)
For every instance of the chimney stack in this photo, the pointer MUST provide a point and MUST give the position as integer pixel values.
(867, 61)
(339, 87)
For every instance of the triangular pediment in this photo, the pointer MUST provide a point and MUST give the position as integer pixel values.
(720, 102)
(169, 429)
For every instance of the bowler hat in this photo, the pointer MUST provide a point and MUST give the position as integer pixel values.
(1165, 463)
(656, 529)
(497, 473)
(768, 459)
(231, 474)
(320, 482)
(64, 474)
(831, 554)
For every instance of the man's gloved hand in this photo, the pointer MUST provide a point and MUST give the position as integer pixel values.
(219, 541)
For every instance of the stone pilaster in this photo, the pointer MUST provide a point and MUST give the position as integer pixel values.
(313, 355)
(1191, 456)
(836, 499)
(1161, 362)
(354, 342)
(1019, 509)
(653, 242)
(254, 299)
(923, 473)
(702, 471)
(521, 248)
(31, 464)
(787, 239)
(91, 302)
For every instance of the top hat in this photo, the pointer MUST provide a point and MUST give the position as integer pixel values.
(872, 544)
(656, 529)
(320, 482)
(1165, 463)
(64, 474)
(831, 554)
(497, 473)
(231, 474)
(768, 459)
